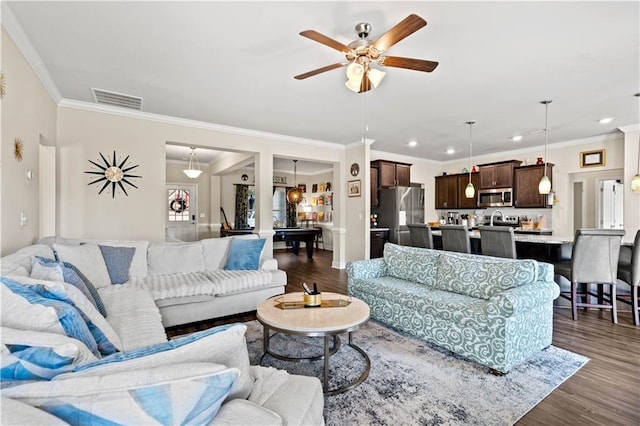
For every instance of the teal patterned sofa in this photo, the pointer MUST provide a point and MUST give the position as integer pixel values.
(494, 311)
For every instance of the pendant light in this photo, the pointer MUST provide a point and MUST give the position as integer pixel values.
(544, 187)
(470, 191)
(294, 196)
(193, 171)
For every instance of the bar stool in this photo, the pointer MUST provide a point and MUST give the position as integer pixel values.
(421, 235)
(594, 260)
(455, 238)
(498, 241)
(629, 273)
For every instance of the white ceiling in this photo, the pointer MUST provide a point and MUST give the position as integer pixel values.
(232, 63)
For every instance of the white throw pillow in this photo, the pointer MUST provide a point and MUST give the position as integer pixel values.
(214, 252)
(48, 272)
(170, 258)
(88, 259)
(224, 345)
(186, 393)
(13, 336)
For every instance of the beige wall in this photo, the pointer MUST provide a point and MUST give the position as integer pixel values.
(29, 113)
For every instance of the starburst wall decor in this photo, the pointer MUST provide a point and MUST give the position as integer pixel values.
(114, 175)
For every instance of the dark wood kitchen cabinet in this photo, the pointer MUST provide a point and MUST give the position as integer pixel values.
(446, 192)
(392, 174)
(373, 176)
(497, 175)
(463, 181)
(378, 238)
(525, 185)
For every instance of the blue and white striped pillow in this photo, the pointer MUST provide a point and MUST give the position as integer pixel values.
(21, 362)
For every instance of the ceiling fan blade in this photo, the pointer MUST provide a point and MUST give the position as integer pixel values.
(408, 63)
(323, 39)
(320, 70)
(405, 28)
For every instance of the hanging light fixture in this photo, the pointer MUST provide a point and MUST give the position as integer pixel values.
(193, 171)
(294, 196)
(544, 187)
(470, 191)
(358, 71)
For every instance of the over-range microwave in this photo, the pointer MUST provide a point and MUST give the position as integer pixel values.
(497, 197)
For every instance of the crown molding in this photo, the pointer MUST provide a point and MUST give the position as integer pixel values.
(166, 119)
(19, 37)
(630, 128)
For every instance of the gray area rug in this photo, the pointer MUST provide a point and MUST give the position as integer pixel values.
(414, 382)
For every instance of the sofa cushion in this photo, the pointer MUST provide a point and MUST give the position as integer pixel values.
(224, 344)
(412, 263)
(19, 263)
(138, 267)
(88, 259)
(73, 276)
(133, 315)
(483, 276)
(214, 252)
(22, 362)
(171, 258)
(187, 393)
(244, 254)
(118, 262)
(16, 413)
(24, 307)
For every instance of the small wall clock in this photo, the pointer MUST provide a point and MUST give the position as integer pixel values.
(18, 148)
(355, 169)
(114, 175)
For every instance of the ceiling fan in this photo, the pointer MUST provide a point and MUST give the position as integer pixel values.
(362, 53)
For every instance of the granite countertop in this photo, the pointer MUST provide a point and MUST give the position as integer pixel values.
(379, 229)
(540, 239)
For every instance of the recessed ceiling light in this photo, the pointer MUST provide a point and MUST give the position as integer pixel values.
(605, 120)
(451, 151)
(517, 138)
(413, 143)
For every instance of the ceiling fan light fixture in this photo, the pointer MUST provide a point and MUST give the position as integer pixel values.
(193, 170)
(376, 76)
(352, 85)
(355, 72)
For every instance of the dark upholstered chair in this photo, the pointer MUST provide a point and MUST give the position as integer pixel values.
(421, 235)
(498, 241)
(594, 260)
(455, 238)
(629, 273)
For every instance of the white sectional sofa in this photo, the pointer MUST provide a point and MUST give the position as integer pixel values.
(131, 374)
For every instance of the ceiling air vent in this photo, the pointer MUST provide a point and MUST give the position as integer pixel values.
(116, 99)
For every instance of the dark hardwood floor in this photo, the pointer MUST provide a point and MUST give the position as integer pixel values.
(606, 391)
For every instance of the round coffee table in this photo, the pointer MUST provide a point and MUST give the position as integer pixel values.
(284, 314)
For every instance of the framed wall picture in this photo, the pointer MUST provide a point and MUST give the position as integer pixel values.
(354, 188)
(592, 158)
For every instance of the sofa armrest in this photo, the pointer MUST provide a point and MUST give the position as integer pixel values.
(269, 264)
(363, 269)
(242, 412)
(524, 298)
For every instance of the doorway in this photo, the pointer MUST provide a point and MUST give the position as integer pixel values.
(610, 205)
(181, 207)
(579, 204)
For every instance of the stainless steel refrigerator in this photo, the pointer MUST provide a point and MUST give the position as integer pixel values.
(398, 207)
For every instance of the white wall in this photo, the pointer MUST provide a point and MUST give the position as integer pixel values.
(28, 113)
